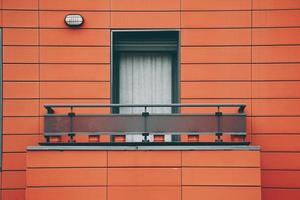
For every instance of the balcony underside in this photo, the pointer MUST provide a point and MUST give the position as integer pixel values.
(143, 172)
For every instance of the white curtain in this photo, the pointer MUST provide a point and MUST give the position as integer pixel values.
(145, 78)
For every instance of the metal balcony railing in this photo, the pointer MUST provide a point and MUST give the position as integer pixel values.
(153, 127)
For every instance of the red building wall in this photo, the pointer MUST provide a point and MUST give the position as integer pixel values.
(244, 51)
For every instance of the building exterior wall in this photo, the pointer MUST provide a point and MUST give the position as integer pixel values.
(145, 175)
(234, 51)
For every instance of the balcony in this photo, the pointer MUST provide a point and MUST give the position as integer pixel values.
(68, 124)
(86, 154)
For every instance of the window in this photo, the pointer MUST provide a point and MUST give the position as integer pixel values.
(145, 78)
(145, 70)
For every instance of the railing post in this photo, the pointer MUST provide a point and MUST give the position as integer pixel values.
(242, 109)
(47, 138)
(219, 132)
(145, 114)
(71, 133)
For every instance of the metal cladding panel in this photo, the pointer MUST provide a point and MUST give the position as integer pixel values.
(138, 123)
(57, 124)
(233, 123)
(181, 123)
(109, 123)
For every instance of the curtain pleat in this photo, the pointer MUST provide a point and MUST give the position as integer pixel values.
(145, 78)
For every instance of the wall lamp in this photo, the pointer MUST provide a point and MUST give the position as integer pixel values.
(74, 20)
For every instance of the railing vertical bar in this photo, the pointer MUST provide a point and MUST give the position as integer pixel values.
(71, 133)
(219, 133)
(145, 114)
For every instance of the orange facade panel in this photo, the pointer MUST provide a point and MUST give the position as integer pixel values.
(198, 37)
(25, 125)
(13, 18)
(75, 37)
(55, 19)
(220, 192)
(275, 125)
(18, 143)
(280, 193)
(144, 5)
(215, 54)
(289, 89)
(280, 160)
(144, 176)
(14, 36)
(75, 90)
(13, 194)
(14, 161)
(276, 18)
(213, 5)
(75, 72)
(13, 179)
(145, 19)
(20, 4)
(143, 158)
(20, 54)
(144, 192)
(215, 72)
(20, 90)
(273, 54)
(74, 5)
(276, 107)
(20, 107)
(218, 19)
(74, 55)
(221, 159)
(20, 72)
(272, 36)
(277, 143)
(221, 176)
(67, 159)
(215, 90)
(274, 4)
(288, 72)
(66, 177)
(280, 179)
(66, 193)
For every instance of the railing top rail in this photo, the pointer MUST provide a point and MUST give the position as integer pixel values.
(147, 105)
(240, 105)
(50, 107)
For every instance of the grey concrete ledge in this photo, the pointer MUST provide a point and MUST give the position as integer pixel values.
(145, 148)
